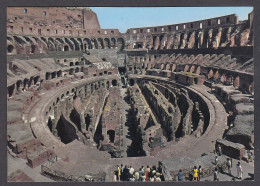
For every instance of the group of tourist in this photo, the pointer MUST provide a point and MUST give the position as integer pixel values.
(128, 173)
(197, 173)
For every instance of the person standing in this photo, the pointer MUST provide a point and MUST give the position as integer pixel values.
(137, 176)
(200, 172)
(115, 176)
(147, 171)
(140, 174)
(249, 156)
(219, 150)
(229, 166)
(216, 160)
(131, 170)
(195, 174)
(216, 175)
(118, 172)
(180, 175)
(126, 173)
(239, 171)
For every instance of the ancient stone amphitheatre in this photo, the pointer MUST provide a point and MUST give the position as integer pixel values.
(82, 100)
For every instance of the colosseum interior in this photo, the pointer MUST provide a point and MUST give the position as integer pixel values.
(82, 100)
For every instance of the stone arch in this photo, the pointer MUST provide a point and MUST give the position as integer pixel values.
(186, 68)
(25, 83)
(50, 124)
(223, 78)
(47, 75)
(216, 75)
(210, 74)
(192, 69)
(71, 71)
(19, 85)
(162, 66)
(87, 44)
(33, 49)
(76, 44)
(11, 90)
(113, 42)
(120, 44)
(111, 135)
(173, 67)
(114, 82)
(53, 75)
(100, 43)
(168, 66)
(70, 44)
(131, 82)
(95, 43)
(59, 73)
(66, 48)
(198, 70)
(107, 43)
(10, 49)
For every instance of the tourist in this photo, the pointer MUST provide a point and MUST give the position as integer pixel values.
(126, 173)
(249, 156)
(216, 160)
(140, 174)
(216, 175)
(122, 168)
(239, 171)
(131, 170)
(200, 172)
(219, 150)
(180, 175)
(195, 174)
(115, 176)
(137, 176)
(158, 179)
(118, 172)
(229, 166)
(147, 171)
(132, 178)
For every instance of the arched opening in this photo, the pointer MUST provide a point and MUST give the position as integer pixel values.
(76, 70)
(66, 131)
(75, 118)
(196, 80)
(11, 90)
(49, 124)
(98, 133)
(108, 85)
(10, 49)
(114, 83)
(18, 85)
(59, 73)
(71, 64)
(53, 75)
(131, 82)
(66, 48)
(47, 76)
(87, 121)
(111, 135)
(35, 79)
(33, 48)
(77, 63)
(25, 83)
(71, 71)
